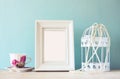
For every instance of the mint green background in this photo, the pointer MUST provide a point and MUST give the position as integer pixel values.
(17, 19)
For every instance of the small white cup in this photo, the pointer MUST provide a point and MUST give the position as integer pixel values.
(16, 58)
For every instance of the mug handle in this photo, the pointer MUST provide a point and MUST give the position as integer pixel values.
(30, 59)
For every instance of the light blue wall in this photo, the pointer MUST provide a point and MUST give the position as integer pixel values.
(17, 19)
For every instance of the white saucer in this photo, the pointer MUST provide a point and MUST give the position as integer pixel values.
(25, 69)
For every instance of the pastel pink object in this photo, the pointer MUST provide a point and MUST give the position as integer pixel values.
(22, 59)
(14, 62)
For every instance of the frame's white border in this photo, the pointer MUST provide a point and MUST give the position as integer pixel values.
(55, 24)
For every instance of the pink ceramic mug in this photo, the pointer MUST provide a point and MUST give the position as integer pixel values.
(18, 60)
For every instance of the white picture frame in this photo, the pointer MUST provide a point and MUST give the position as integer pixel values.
(54, 45)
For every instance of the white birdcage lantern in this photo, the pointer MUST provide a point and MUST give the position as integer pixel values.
(95, 49)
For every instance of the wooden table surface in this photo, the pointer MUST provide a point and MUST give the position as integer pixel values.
(4, 74)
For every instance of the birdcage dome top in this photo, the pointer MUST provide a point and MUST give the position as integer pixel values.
(95, 35)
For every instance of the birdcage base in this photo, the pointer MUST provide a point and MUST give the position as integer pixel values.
(95, 66)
